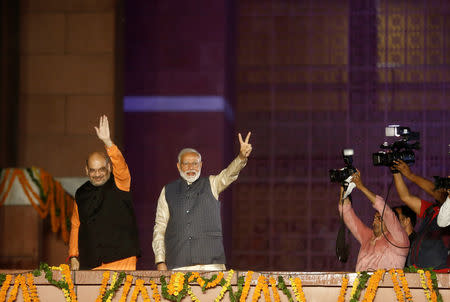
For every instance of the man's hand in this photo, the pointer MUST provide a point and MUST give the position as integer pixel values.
(103, 131)
(161, 266)
(402, 167)
(356, 178)
(74, 263)
(246, 148)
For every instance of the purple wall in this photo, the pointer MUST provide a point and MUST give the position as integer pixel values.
(309, 79)
(175, 63)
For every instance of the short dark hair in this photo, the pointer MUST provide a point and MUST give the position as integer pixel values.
(407, 212)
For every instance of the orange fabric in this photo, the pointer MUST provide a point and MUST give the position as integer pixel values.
(127, 264)
(122, 179)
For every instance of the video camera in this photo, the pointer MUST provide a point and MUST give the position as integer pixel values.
(399, 150)
(340, 175)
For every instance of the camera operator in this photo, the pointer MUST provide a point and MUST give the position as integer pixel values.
(428, 248)
(385, 246)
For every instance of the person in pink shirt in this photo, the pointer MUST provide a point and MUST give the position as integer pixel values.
(386, 244)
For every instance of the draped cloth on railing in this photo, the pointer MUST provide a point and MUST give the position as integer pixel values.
(43, 192)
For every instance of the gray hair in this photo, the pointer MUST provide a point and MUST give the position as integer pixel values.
(188, 150)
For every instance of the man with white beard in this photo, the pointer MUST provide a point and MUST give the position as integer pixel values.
(188, 228)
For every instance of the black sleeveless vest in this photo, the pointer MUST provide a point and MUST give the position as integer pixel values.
(108, 230)
(194, 231)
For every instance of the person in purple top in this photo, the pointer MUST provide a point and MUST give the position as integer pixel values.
(386, 244)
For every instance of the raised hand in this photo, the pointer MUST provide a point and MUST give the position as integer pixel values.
(103, 131)
(402, 167)
(246, 148)
(356, 178)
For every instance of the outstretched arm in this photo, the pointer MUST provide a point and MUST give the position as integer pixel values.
(221, 181)
(120, 169)
(413, 202)
(423, 183)
(369, 194)
(361, 232)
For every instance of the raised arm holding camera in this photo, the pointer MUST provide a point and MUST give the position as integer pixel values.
(425, 184)
(428, 249)
(385, 245)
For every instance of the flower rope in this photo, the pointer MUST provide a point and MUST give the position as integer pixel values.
(364, 276)
(430, 286)
(282, 286)
(15, 289)
(258, 288)
(225, 286)
(156, 296)
(397, 289)
(246, 289)
(273, 284)
(406, 290)
(297, 288)
(372, 287)
(32, 288)
(343, 290)
(424, 284)
(5, 287)
(126, 288)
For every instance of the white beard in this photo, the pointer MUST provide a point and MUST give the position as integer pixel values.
(190, 179)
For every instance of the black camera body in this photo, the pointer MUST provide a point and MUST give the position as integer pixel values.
(340, 175)
(399, 150)
(441, 183)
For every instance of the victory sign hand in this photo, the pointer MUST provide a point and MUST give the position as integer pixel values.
(246, 148)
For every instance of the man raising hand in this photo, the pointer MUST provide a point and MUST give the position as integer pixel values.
(188, 228)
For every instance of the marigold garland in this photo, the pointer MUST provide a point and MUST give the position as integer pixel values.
(5, 287)
(397, 289)
(23, 286)
(225, 286)
(424, 284)
(52, 197)
(32, 288)
(180, 284)
(430, 286)
(234, 297)
(372, 287)
(216, 280)
(343, 290)
(355, 285)
(156, 296)
(140, 288)
(15, 289)
(176, 284)
(435, 285)
(364, 277)
(266, 291)
(126, 288)
(246, 288)
(273, 284)
(258, 288)
(406, 291)
(192, 295)
(282, 286)
(297, 288)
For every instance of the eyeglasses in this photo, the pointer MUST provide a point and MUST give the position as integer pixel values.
(194, 164)
(100, 170)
